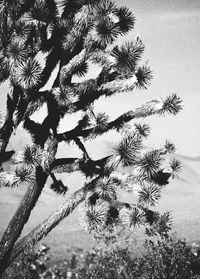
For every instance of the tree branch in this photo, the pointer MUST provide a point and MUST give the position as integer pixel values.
(69, 165)
(126, 117)
(92, 90)
(6, 156)
(82, 147)
(171, 104)
(51, 62)
(66, 165)
(7, 128)
(47, 225)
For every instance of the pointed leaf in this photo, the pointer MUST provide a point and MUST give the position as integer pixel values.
(28, 74)
(126, 19)
(128, 149)
(149, 195)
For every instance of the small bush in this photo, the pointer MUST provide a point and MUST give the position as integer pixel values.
(163, 258)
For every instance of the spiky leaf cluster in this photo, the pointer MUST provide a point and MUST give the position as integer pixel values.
(144, 76)
(161, 226)
(58, 187)
(105, 8)
(105, 33)
(81, 69)
(62, 97)
(133, 217)
(172, 104)
(149, 163)
(93, 218)
(40, 11)
(22, 30)
(142, 129)
(127, 55)
(60, 27)
(30, 155)
(101, 123)
(126, 19)
(17, 52)
(169, 147)
(28, 74)
(149, 194)
(128, 149)
(175, 166)
(105, 189)
(24, 174)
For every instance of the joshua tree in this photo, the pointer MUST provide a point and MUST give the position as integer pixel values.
(68, 38)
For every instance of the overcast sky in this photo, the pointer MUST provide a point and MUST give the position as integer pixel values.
(170, 30)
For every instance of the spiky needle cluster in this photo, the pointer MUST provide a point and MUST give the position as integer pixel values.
(69, 38)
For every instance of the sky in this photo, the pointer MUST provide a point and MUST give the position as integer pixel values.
(170, 30)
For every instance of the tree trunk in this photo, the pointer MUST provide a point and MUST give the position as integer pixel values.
(5, 133)
(47, 225)
(7, 128)
(20, 218)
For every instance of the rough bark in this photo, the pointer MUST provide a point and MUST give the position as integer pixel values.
(20, 218)
(7, 128)
(47, 225)
(5, 133)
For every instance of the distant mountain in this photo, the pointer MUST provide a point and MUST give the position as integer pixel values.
(194, 159)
